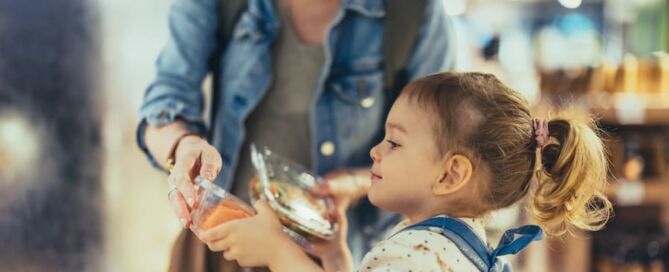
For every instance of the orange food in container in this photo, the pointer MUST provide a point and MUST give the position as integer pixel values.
(216, 206)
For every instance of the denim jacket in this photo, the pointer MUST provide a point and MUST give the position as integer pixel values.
(348, 109)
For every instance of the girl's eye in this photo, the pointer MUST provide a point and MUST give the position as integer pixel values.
(393, 145)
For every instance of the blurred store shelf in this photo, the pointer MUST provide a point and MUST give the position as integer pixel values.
(651, 117)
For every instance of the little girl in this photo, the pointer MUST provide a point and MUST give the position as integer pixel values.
(457, 146)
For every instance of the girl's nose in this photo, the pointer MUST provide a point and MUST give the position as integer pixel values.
(374, 153)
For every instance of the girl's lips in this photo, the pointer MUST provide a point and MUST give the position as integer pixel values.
(376, 178)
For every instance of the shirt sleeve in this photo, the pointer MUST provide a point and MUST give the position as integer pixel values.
(181, 67)
(435, 46)
(407, 251)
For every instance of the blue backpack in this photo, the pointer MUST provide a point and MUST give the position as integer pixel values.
(512, 242)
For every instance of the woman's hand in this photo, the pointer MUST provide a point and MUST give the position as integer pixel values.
(193, 156)
(345, 186)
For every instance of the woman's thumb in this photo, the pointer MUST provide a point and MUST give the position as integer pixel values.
(321, 189)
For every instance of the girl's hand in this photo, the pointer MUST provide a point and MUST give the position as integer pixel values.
(334, 254)
(345, 187)
(252, 241)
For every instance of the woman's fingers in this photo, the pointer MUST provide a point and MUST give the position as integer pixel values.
(211, 163)
(321, 189)
(194, 156)
(179, 206)
(181, 179)
(346, 186)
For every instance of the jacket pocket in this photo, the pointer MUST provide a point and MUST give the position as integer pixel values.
(359, 108)
(362, 90)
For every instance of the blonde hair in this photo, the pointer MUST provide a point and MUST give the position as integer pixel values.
(480, 117)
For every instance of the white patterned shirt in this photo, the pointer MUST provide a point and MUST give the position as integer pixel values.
(420, 250)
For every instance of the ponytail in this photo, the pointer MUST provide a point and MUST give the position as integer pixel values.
(571, 178)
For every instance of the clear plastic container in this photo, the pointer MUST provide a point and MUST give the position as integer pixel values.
(286, 187)
(216, 206)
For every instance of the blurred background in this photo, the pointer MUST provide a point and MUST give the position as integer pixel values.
(76, 194)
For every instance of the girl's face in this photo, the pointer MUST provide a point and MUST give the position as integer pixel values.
(406, 162)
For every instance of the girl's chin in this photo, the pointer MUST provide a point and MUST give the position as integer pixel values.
(374, 198)
(380, 202)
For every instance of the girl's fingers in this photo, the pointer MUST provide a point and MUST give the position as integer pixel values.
(229, 255)
(196, 232)
(219, 245)
(216, 233)
(262, 207)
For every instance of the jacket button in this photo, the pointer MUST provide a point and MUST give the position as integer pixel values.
(367, 103)
(327, 148)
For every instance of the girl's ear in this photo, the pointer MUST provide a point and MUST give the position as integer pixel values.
(456, 173)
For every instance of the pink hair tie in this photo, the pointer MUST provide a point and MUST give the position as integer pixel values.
(540, 132)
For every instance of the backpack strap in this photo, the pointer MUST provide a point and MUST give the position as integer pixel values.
(512, 242)
(400, 30)
(229, 13)
(461, 235)
(401, 26)
(515, 240)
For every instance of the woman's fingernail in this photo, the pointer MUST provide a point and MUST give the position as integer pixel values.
(183, 222)
(190, 201)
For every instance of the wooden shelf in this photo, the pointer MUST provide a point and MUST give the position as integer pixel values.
(652, 117)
